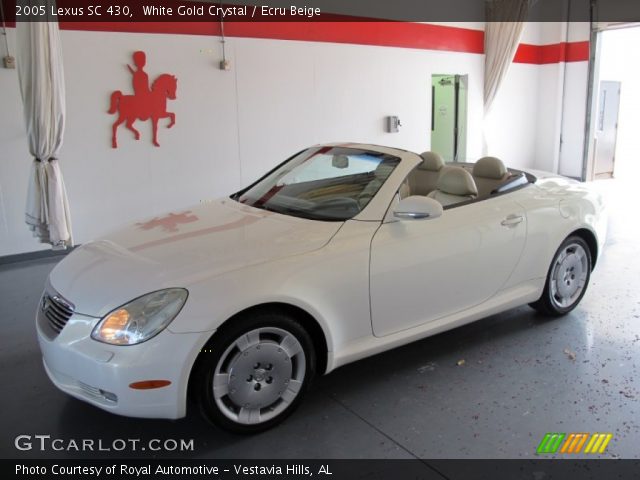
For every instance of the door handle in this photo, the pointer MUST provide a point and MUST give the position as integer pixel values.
(512, 221)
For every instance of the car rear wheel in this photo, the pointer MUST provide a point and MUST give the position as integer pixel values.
(254, 374)
(567, 279)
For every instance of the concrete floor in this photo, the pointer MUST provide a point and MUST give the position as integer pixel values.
(517, 382)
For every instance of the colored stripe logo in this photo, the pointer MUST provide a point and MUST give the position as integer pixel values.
(574, 443)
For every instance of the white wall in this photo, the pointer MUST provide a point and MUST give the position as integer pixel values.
(279, 97)
(573, 122)
(327, 92)
(551, 90)
(549, 118)
(512, 124)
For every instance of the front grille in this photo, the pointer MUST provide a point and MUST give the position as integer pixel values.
(57, 311)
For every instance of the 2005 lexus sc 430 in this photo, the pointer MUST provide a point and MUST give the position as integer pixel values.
(341, 252)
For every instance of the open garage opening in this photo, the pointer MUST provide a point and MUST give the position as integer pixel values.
(616, 104)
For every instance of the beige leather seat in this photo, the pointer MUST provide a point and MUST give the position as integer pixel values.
(381, 173)
(424, 178)
(455, 185)
(405, 190)
(489, 173)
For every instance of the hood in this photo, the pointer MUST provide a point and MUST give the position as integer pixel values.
(180, 249)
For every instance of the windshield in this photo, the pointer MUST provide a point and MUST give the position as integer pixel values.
(325, 183)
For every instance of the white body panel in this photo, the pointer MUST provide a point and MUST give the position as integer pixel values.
(371, 284)
(81, 367)
(431, 269)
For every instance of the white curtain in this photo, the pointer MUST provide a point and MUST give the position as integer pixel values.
(40, 71)
(501, 40)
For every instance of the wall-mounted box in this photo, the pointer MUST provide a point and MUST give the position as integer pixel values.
(393, 124)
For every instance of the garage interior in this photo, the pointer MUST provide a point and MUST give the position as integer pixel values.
(490, 389)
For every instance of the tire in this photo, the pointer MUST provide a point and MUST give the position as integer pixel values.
(262, 364)
(567, 278)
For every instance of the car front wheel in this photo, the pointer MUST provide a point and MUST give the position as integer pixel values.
(567, 279)
(254, 374)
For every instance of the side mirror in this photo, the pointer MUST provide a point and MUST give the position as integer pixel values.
(417, 207)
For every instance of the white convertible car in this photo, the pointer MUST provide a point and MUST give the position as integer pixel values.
(341, 252)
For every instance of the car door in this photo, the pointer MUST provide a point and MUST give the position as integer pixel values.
(424, 270)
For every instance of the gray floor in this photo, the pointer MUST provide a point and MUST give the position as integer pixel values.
(516, 384)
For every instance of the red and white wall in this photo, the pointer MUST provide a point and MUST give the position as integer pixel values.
(543, 100)
(308, 85)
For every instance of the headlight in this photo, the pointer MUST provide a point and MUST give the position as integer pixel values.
(140, 319)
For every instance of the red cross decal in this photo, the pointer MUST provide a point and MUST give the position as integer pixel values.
(170, 222)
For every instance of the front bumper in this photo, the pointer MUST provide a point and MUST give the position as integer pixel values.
(100, 374)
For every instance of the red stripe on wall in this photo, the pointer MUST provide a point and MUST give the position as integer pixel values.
(555, 53)
(577, 52)
(172, 28)
(382, 34)
(387, 34)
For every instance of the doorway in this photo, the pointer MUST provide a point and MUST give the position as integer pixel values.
(613, 139)
(449, 98)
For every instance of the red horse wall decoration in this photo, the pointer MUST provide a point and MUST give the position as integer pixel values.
(145, 103)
